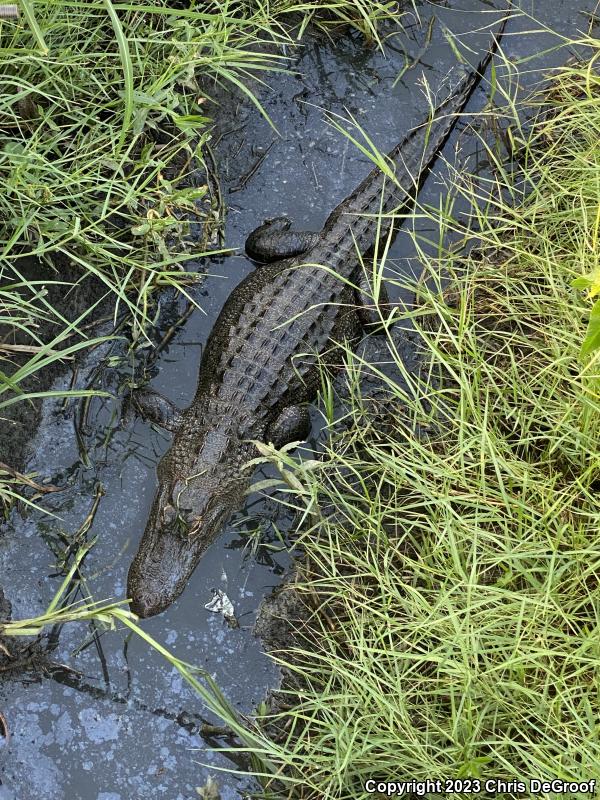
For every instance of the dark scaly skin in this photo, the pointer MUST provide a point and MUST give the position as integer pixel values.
(273, 241)
(260, 362)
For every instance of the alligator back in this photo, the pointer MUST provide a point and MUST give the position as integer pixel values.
(260, 356)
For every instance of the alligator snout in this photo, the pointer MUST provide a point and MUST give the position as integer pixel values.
(168, 554)
(159, 573)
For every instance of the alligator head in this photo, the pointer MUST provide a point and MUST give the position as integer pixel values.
(186, 518)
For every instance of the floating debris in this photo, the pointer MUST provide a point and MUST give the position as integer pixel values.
(221, 604)
(210, 790)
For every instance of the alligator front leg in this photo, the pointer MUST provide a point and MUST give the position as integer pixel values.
(274, 241)
(292, 425)
(153, 407)
(369, 312)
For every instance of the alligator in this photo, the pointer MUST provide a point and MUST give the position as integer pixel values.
(260, 364)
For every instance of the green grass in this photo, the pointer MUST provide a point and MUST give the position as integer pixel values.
(104, 116)
(83, 174)
(82, 171)
(452, 532)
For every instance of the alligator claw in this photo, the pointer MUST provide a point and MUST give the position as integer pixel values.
(273, 241)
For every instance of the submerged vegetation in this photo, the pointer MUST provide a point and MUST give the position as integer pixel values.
(450, 531)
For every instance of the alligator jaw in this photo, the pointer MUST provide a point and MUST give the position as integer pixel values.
(166, 560)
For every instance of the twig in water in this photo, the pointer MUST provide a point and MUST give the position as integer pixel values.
(172, 330)
(33, 350)
(246, 177)
(422, 50)
(4, 732)
(214, 187)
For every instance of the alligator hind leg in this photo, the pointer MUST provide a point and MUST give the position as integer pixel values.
(367, 309)
(273, 241)
(292, 425)
(153, 407)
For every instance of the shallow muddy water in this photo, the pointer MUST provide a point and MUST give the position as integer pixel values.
(125, 726)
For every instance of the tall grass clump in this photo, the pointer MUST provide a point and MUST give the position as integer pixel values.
(451, 531)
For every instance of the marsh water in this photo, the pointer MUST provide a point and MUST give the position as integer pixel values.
(117, 722)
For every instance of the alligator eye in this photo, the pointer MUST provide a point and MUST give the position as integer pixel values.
(169, 513)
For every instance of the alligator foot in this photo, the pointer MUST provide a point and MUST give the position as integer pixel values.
(292, 425)
(368, 307)
(273, 241)
(153, 407)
